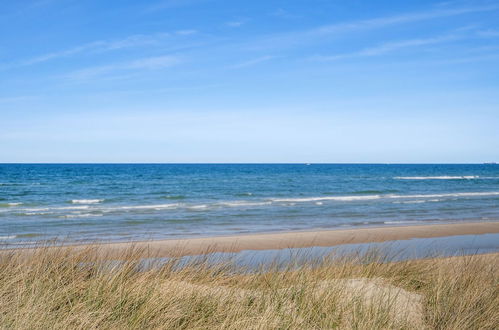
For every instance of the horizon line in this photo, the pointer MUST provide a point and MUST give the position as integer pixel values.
(244, 163)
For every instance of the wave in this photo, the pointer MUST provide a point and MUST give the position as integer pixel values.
(464, 194)
(198, 207)
(55, 210)
(35, 213)
(443, 177)
(44, 209)
(291, 201)
(142, 207)
(81, 207)
(244, 203)
(2, 238)
(87, 201)
(9, 204)
(418, 201)
(434, 197)
(328, 198)
(411, 202)
(83, 215)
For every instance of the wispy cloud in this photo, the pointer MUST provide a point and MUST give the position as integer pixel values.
(138, 40)
(297, 37)
(253, 62)
(63, 53)
(393, 46)
(400, 19)
(236, 23)
(149, 63)
(470, 59)
(489, 33)
(388, 47)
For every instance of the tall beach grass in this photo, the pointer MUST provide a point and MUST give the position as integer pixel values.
(65, 288)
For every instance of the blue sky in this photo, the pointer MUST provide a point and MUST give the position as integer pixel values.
(249, 81)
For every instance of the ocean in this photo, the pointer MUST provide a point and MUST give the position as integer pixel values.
(126, 202)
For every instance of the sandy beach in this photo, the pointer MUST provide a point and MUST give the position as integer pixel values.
(302, 239)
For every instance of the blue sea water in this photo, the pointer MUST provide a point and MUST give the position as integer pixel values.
(122, 202)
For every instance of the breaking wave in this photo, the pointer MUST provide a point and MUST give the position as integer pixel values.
(10, 204)
(87, 201)
(328, 198)
(463, 194)
(75, 210)
(83, 215)
(443, 177)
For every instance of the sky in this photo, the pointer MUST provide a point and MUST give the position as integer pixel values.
(249, 81)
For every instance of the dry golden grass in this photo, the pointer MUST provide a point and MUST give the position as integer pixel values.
(66, 289)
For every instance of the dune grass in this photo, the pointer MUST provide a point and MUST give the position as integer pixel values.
(62, 288)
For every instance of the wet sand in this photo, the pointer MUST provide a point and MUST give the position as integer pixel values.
(303, 239)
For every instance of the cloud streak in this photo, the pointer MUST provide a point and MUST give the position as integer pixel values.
(489, 33)
(254, 61)
(388, 47)
(142, 64)
(305, 36)
(235, 24)
(137, 40)
(399, 19)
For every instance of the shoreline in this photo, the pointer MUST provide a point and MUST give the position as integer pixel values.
(282, 240)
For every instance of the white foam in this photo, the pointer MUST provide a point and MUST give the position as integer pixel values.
(198, 207)
(411, 202)
(82, 207)
(87, 201)
(328, 198)
(244, 203)
(14, 204)
(433, 197)
(47, 209)
(464, 194)
(444, 177)
(7, 237)
(37, 209)
(83, 215)
(144, 207)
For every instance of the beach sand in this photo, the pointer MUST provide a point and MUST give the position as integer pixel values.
(302, 239)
